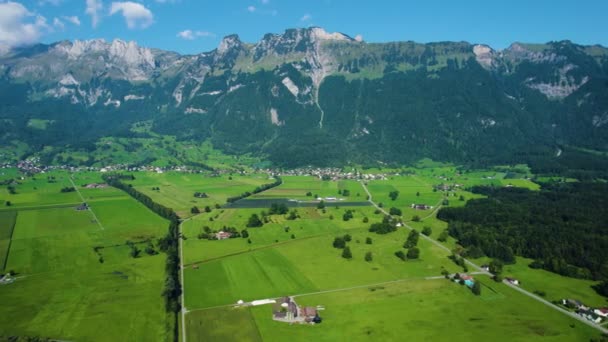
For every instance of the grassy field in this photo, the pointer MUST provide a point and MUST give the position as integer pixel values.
(64, 291)
(296, 187)
(312, 223)
(555, 286)
(176, 190)
(422, 310)
(76, 278)
(39, 190)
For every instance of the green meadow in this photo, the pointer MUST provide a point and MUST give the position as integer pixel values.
(176, 190)
(77, 281)
(417, 310)
(75, 277)
(296, 187)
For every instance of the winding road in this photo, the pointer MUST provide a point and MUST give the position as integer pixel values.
(480, 271)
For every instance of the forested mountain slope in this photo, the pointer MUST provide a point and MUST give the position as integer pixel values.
(312, 97)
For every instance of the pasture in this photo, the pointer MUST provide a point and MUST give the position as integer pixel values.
(422, 310)
(75, 279)
(176, 190)
(297, 187)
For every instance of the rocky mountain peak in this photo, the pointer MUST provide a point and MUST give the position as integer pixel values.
(228, 43)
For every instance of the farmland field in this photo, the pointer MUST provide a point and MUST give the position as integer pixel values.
(176, 190)
(65, 288)
(92, 284)
(270, 263)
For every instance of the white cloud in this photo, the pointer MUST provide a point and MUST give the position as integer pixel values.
(93, 9)
(73, 19)
(51, 2)
(191, 35)
(19, 26)
(251, 9)
(359, 38)
(306, 17)
(265, 2)
(135, 14)
(57, 23)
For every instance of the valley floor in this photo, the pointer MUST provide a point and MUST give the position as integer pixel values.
(76, 276)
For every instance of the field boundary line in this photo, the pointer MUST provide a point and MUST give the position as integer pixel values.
(83, 201)
(356, 287)
(276, 244)
(10, 242)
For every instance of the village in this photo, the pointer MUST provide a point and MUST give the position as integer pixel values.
(595, 315)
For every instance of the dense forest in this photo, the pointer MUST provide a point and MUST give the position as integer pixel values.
(562, 227)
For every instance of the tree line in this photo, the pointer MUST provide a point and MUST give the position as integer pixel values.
(168, 244)
(562, 227)
(258, 189)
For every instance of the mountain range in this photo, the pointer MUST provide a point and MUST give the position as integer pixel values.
(309, 97)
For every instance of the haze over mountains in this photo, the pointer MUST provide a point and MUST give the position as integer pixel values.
(309, 97)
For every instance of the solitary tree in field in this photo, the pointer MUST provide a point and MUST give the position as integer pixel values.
(416, 218)
(393, 195)
(244, 233)
(207, 209)
(495, 266)
(395, 211)
(413, 253)
(339, 242)
(368, 257)
(254, 221)
(346, 254)
(365, 219)
(476, 288)
(321, 205)
(427, 231)
(412, 239)
(443, 237)
(8, 203)
(195, 210)
(368, 240)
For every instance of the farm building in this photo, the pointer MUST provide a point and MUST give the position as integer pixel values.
(222, 235)
(512, 281)
(96, 186)
(286, 310)
(603, 312)
(421, 207)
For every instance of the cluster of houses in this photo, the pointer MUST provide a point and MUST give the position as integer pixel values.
(447, 187)
(287, 310)
(596, 315)
(325, 173)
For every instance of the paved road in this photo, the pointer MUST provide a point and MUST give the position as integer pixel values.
(181, 273)
(83, 201)
(562, 310)
(480, 271)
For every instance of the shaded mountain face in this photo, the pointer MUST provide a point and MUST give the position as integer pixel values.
(309, 97)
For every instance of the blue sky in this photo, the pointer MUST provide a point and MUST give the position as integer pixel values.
(192, 26)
